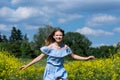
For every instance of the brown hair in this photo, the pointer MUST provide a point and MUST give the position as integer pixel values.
(50, 38)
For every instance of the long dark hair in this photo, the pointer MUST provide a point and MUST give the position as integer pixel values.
(50, 38)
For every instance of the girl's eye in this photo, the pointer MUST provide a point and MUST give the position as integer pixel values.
(58, 35)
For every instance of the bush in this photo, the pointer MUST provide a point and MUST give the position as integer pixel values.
(99, 69)
(9, 69)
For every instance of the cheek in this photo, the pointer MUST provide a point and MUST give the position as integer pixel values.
(61, 37)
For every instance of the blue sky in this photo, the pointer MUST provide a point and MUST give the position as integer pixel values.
(99, 20)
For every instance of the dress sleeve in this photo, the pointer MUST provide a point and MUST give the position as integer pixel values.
(69, 51)
(56, 53)
(45, 50)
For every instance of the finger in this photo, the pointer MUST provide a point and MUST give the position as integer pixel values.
(21, 68)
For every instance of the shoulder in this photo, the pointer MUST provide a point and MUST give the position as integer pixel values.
(50, 46)
(46, 47)
(66, 46)
(68, 49)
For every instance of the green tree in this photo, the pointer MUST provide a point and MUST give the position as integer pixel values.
(5, 38)
(19, 35)
(15, 40)
(14, 47)
(42, 34)
(1, 38)
(3, 42)
(103, 51)
(78, 42)
(16, 35)
(39, 38)
(25, 49)
(25, 38)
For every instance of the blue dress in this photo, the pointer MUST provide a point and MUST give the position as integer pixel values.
(54, 67)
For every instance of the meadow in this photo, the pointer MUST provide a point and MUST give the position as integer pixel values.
(98, 69)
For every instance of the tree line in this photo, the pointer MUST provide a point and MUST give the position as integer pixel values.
(19, 44)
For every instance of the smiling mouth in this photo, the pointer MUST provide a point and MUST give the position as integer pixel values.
(58, 39)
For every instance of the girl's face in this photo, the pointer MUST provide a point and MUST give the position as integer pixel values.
(58, 36)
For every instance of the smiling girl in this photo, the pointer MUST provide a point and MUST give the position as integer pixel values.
(56, 51)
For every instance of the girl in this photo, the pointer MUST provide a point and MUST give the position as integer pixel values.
(56, 51)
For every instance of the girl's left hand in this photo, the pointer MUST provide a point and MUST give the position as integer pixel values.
(91, 57)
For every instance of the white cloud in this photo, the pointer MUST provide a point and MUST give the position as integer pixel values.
(18, 14)
(5, 12)
(88, 6)
(62, 20)
(15, 1)
(101, 19)
(99, 45)
(4, 27)
(117, 29)
(25, 12)
(48, 9)
(29, 27)
(70, 5)
(69, 18)
(15, 15)
(89, 31)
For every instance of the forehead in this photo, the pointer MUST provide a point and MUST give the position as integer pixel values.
(58, 32)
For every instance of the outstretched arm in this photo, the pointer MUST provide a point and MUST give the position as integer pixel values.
(33, 61)
(77, 57)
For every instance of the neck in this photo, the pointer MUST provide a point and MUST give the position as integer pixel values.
(58, 44)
